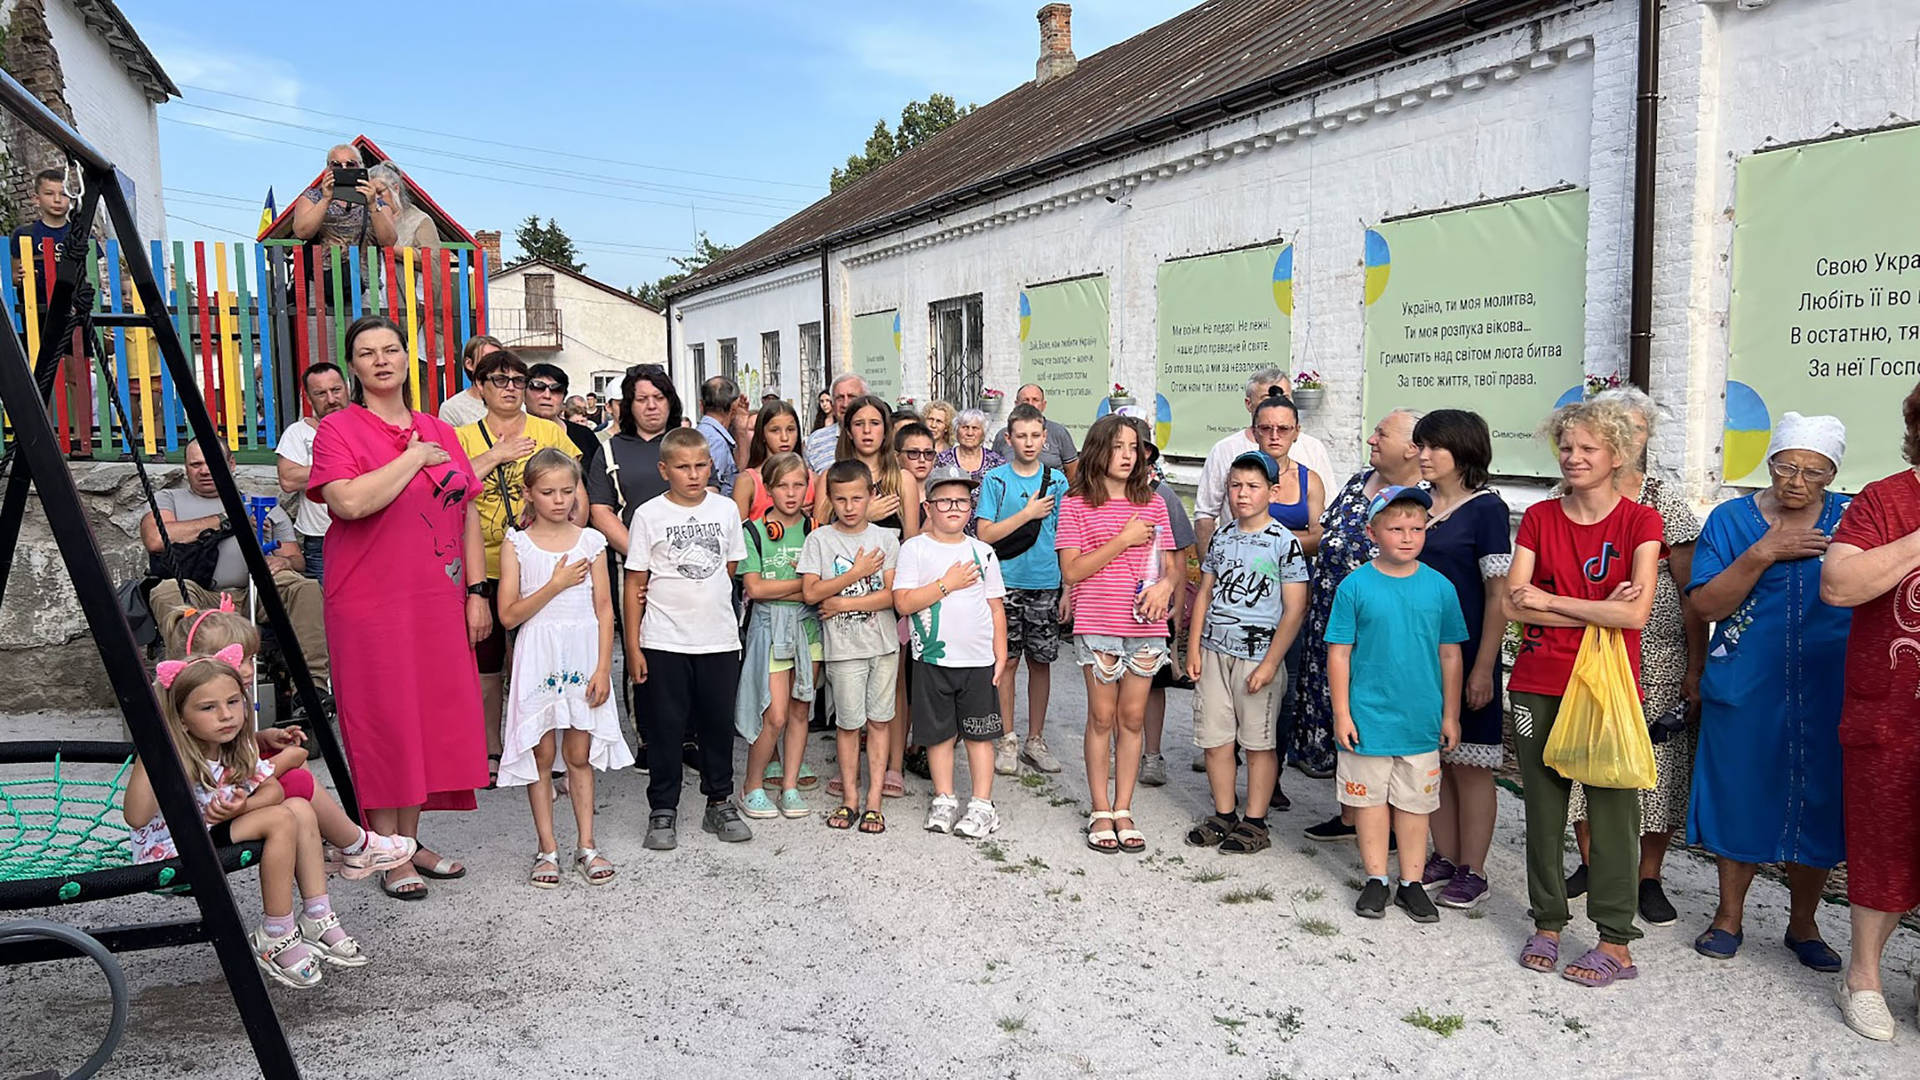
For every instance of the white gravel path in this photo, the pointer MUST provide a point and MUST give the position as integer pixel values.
(813, 953)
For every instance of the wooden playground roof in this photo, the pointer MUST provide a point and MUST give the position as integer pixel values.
(371, 154)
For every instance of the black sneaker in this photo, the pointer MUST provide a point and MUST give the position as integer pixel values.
(1654, 907)
(1413, 900)
(1373, 901)
(1329, 830)
(662, 831)
(1577, 883)
(915, 762)
(1279, 804)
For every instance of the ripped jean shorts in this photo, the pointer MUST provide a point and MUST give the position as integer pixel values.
(1140, 656)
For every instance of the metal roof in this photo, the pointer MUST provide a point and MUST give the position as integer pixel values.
(1205, 65)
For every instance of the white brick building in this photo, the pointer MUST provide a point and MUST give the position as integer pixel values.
(1482, 101)
(589, 329)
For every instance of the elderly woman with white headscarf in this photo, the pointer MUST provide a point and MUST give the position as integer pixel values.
(1767, 779)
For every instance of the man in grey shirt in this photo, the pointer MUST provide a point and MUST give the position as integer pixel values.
(1060, 452)
(719, 400)
(823, 445)
(186, 513)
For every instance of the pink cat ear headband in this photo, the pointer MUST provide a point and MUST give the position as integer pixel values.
(168, 670)
(226, 604)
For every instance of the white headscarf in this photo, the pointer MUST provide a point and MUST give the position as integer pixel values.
(1824, 435)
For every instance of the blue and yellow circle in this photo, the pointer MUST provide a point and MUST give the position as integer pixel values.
(1748, 430)
(1379, 261)
(1162, 417)
(1283, 281)
(1026, 315)
(896, 331)
(1575, 394)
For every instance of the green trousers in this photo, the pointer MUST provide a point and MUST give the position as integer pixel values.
(1613, 815)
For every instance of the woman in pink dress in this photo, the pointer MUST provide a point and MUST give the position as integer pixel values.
(404, 557)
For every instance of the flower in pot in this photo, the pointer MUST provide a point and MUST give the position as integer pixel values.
(1119, 396)
(1308, 389)
(993, 401)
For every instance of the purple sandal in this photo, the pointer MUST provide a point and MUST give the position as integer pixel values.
(1541, 947)
(1609, 969)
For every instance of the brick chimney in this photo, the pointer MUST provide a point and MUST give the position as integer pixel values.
(489, 241)
(1056, 44)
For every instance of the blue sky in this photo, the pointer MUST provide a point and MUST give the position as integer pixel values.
(724, 113)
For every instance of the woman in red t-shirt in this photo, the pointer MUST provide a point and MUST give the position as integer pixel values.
(1873, 567)
(1589, 557)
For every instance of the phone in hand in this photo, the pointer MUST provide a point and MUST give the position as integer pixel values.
(346, 181)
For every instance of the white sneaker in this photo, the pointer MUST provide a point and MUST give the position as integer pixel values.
(1153, 770)
(1865, 1011)
(981, 820)
(941, 813)
(1037, 755)
(1006, 755)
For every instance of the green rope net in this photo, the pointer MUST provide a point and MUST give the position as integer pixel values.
(61, 825)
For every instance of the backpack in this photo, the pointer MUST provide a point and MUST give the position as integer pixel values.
(1021, 540)
(753, 538)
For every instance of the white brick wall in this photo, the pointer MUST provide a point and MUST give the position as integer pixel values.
(603, 333)
(111, 112)
(1733, 78)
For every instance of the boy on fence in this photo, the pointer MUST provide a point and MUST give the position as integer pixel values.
(949, 588)
(1253, 596)
(1393, 664)
(683, 644)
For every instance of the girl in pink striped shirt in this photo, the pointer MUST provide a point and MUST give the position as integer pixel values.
(1116, 557)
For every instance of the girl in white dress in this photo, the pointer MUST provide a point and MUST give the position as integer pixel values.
(553, 587)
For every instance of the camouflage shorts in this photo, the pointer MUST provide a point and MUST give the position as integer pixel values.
(1033, 624)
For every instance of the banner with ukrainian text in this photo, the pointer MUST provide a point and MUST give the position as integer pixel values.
(1064, 348)
(1482, 308)
(1221, 318)
(876, 353)
(1825, 311)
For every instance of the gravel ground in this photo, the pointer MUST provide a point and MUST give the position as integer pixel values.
(815, 953)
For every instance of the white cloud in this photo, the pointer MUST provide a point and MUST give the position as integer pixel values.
(192, 63)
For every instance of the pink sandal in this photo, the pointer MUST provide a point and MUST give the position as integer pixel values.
(893, 785)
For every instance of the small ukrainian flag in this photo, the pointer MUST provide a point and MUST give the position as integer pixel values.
(267, 213)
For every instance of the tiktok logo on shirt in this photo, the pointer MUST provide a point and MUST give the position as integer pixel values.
(1597, 567)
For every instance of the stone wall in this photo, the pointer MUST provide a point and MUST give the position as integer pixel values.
(47, 657)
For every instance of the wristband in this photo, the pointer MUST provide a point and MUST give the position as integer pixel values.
(479, 589)
(943, 587)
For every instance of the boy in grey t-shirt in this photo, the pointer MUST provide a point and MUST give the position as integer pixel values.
(847, 569)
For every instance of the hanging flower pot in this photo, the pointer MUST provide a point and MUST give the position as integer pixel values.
(1119, 397)
(1308, 390)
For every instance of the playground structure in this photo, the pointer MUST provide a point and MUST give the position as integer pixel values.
(60, 840)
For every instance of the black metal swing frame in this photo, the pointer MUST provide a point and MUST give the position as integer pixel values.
(38, 461)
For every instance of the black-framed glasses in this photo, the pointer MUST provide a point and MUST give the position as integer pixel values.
(949, 505)
(919, 455)
(546, 386)
(507, 382)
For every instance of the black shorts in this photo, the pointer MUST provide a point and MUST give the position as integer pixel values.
(950, 702)
(490, 656)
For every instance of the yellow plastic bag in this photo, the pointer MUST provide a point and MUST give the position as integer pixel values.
(1599, 737)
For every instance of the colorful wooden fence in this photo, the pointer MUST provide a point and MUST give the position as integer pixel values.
(253, 318)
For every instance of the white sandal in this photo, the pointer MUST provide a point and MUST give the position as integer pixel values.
(540, 880)
(1095, 834)
(266, 951)
(583, 862)
(1132, 841)
(343, 953)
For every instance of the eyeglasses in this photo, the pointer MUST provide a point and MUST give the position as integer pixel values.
(949, 505)
(919, 455)
(1276, 430)
(507, 382)
(546, 386)
(1791, 472)
(343, 164)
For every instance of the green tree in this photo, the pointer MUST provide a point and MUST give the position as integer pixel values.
(705, 251)
(549, 242)
(920, 121)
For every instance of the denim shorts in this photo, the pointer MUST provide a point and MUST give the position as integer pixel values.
(1140, 656)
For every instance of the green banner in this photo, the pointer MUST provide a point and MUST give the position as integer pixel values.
(1823, 317)
(876, 353)
(1064, 348)
(1481, 309)
(1222, 318)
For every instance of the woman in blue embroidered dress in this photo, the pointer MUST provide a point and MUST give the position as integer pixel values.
(1766, 781)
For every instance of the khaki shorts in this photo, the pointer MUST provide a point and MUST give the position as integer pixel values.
(1405, 783)
(1223, 711)
(862, 689)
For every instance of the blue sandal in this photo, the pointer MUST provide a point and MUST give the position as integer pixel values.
(1717, 944)
(1815, 953)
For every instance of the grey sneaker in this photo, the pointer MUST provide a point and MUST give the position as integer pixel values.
(941, 813)
(981, 820)
(1006, 755)
(662, 835)
(723, 821)
(1037, 755)
(1153, 770)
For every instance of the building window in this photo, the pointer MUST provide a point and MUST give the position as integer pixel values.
(697, 360)
(958, 355)
(769, 363)
(729, 360)
(607, 384)
(810, 372)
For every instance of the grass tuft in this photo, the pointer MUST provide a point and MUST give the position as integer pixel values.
(1443, 1026)
(992, 851)
(1012, 1025)
(1319, 927)
(1207, 877)
(1247, 896)
(1309, 894)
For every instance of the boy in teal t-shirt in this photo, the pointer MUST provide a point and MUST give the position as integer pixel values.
(1393, 663)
